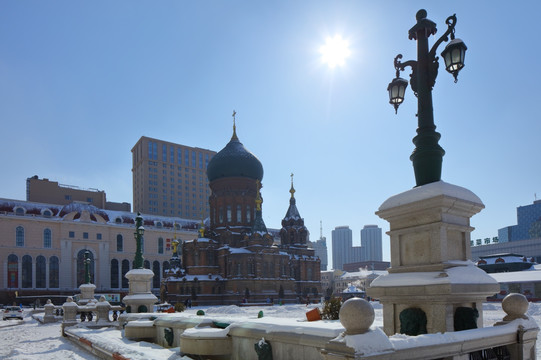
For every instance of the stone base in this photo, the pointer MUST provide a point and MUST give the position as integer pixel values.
(430, 251)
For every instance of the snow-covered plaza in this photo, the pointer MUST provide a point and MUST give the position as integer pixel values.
(29, 339)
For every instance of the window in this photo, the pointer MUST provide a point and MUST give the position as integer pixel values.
(220, 214)
(119, 243)
(13, 271)
(171, 154)
(19, 236)
(200, 160)
(239, 214)
(40, 272)
(179, 157)
(98, 236)
(27, 271)
(187, 157)
(71, 234)
(67, 197)
(47, 238)
(156, 278)
(160, 246)
(47, 213)
(164, 153)
(248, 214)
(114, 274)
(54, 272)
(89, 200)
(125, 269)
(228, 213)
(85, 235)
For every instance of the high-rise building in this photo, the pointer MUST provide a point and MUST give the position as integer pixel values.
(341, 246)
(170, 179)
(371, 243)
(320, 248)
(528, 224)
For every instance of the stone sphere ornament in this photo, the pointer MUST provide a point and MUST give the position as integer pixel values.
(515, 306)
(356, 315)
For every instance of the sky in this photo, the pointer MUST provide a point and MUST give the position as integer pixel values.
(81, 82)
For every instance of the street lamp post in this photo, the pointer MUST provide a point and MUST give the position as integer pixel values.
(87, 262)
(139, 232)
(427, 156)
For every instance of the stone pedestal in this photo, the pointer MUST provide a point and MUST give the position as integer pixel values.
(87, 293)
(430, 251)
(140, 298)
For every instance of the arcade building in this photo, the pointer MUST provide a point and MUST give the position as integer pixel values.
(234, 259)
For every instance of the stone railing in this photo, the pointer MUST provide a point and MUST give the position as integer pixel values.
(514, 338)
(100, 310)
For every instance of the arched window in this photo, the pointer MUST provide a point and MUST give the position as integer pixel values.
(228, 214)
(114, 274)
(165, 265)
(19, 211)
(125, 269)
(248, 214)
(19, 236)
(47, 238)
(54, 268)
(81, 267)
(160, 245)
(13, 271)
(41, 275)
(119, 243)
(156, 278)
(27, 271)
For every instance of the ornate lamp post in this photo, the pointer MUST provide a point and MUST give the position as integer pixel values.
(87, 262)
(139, 232)
(428, 154)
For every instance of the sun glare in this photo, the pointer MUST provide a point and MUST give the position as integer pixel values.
(335, 51)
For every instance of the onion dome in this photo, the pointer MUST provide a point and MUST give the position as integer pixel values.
(234, 160)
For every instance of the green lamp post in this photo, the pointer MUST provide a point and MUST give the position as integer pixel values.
(139, 232)
(427, 156)
(87, 262)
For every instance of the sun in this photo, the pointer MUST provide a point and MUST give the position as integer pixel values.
(335, 51)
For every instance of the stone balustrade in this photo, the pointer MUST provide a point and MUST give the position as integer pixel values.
(100, 310)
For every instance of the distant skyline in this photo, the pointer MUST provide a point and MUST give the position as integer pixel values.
(81, 82)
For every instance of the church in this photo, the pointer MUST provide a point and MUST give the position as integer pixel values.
(234, 259)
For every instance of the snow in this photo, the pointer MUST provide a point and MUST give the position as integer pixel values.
(469, 274)
(29, 339)
(428, 191)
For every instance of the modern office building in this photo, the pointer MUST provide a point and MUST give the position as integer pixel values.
(528, 224)
(320, 248)
(341, 246)
(170, 179)
(51, 192)
(371, 243)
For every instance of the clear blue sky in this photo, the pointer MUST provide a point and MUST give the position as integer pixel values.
(81, 81)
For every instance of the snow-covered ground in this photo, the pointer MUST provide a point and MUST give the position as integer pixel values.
(29, 339)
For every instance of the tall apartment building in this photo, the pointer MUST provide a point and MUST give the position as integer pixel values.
(371, 243)
(341, 246)
(170, 179)
(320, 248)
(51, 192)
